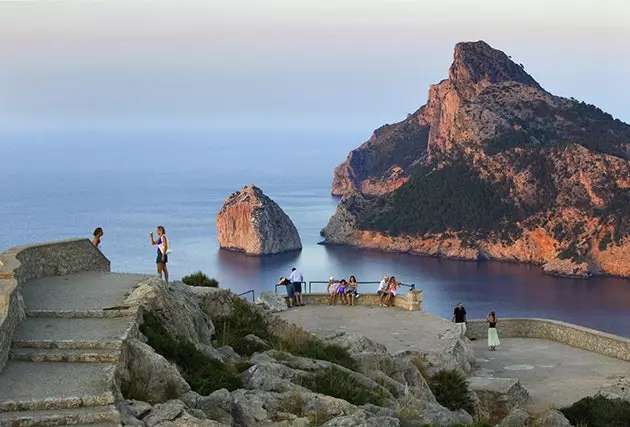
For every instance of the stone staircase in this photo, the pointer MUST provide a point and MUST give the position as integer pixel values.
(64, 355)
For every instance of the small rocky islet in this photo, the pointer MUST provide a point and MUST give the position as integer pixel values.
(252, 223)
(495, 167)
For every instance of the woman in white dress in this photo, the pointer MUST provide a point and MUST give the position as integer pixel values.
(493, 337)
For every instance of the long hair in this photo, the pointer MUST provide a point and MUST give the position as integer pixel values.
(97, 231)
(353, 279)
(162, 229)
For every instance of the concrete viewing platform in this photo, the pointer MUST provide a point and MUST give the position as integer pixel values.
(554, 374)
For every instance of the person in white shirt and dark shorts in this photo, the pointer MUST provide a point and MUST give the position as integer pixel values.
(296, 278)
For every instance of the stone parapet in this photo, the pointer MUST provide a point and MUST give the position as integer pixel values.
(566, 333)
(410, 302)
(21, 264)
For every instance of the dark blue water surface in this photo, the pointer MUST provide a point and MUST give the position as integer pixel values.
(63, 184)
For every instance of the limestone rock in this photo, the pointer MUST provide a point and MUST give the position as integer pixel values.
(150, 372)
(363, 419)
(179, 309)
(619, 388)
(272, 301)
(498, 396)
(138, 408)
(566, 268)
(252, 223)
(167, 411)
(516, 418)
(228, 355)
(553, 418)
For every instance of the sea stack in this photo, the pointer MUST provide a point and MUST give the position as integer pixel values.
(251, 222)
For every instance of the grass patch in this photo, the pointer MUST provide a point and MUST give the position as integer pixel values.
(203, 373)
(336, 383)
(451, 390)
(200, 279)
(599, 411)
(421, 364)
(246, 319)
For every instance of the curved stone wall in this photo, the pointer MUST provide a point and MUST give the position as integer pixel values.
(21, 264)
(412, 301)
(554, 330)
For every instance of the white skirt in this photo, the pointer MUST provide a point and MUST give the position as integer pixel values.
(493, 337)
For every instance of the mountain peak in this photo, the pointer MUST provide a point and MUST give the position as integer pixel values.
(479, 64)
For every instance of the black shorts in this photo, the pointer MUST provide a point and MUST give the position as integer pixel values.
(158, 260)
(298, 287)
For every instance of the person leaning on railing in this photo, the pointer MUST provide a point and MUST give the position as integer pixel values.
(290, 289)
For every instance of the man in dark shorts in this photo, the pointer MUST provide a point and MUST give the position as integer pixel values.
(290, 289)
(296, 278)
(459, 317)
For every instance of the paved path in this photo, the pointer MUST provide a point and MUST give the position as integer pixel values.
(395, 328)
(63, 357)
(554, 374)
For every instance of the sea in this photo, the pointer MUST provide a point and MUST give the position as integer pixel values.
(62, 184)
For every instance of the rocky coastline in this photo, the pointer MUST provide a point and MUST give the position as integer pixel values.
(492, 167)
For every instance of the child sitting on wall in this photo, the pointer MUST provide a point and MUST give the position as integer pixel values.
(332, 290)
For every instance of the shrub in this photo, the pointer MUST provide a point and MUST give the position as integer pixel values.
(420, 363)
(200, 279)
(451, 390)
(246, 319)
(337, 383)
(606, 241)
(203, 373)
(599, 411)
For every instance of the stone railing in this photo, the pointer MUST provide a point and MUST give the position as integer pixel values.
(20, 264)
(553, 330)
(411, 302)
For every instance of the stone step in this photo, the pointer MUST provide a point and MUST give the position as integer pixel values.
(65, 355)
(99, 415)
(49, 403)
(51, 384)
(70, 344)
(99, 314)
(47, 329)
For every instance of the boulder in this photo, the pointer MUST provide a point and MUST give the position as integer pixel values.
(498, 396)
(138, 408)
(272, 301)
(179, 308)
(516, 418)
(252, 223)
(150, 373)
(619, 388)
(553, 418)
(164, 412)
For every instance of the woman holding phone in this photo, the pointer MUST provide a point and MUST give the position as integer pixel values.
(162, 251)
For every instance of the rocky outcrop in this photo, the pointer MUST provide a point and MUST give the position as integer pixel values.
(553, 418)
(492, 167)
(498, 396)
(251, 222)
(272, 301)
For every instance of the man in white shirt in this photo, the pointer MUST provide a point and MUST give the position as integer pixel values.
(382, 289)
(296, 278)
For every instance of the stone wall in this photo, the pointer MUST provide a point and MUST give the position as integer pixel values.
(23, 263)
(565, 333)
(412, 301)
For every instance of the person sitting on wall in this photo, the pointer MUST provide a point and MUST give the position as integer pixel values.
(392, 287)
(290, 290)
(382, 290)
(98, 234)
(353, 289)
(333, 286)
(342, 290)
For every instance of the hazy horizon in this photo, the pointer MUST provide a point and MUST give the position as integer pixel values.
(285, 65)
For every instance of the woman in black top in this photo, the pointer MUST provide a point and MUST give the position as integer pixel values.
(493, 336)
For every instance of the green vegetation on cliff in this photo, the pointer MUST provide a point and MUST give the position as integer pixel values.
(433, 201)
(599, 411)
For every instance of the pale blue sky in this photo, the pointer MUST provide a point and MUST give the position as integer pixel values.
(286, 64)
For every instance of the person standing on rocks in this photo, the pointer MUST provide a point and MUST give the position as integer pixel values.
(296, 278)
(493, 336)
(459, 317)
(162, 251)
(290, 289)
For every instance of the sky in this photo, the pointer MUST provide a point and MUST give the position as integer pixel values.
(276, 64)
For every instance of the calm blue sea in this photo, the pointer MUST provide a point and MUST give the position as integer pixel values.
(57, 185)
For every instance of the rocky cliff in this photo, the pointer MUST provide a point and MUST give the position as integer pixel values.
(252, 223)
(493, 167)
